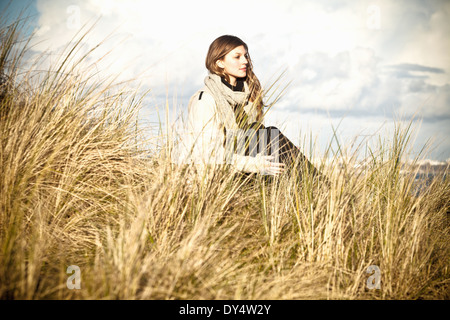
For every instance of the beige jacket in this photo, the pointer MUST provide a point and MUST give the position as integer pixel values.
(203, 141)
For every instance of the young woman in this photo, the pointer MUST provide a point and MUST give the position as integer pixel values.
(225, 118)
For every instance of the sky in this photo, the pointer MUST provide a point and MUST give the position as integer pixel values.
(354, 68)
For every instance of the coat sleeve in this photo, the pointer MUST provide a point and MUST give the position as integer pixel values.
(208, 138)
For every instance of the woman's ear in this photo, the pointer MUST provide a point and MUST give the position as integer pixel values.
(219, 63)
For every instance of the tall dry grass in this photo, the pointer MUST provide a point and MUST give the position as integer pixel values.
(77, 188)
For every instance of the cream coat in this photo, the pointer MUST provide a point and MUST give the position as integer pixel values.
(203, 141)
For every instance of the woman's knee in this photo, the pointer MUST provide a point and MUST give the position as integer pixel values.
(272, 128)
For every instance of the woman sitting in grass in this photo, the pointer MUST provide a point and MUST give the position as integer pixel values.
(225, 118)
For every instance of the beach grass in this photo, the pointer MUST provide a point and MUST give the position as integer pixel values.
(79, 189)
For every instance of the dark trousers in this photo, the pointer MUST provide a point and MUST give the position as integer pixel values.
(271, 141)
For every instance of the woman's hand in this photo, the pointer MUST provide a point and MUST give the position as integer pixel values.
(271, 168)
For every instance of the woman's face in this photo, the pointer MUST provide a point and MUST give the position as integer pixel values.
(235, 64)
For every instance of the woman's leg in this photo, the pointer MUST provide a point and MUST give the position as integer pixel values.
(271, 141)
(277, 144)
(286, 151)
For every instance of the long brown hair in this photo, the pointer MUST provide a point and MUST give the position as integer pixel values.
(218, 49)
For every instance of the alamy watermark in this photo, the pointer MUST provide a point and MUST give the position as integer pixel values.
(74, 17)
(251, 142)
(374, 281)
(373, 17)
(74, 281)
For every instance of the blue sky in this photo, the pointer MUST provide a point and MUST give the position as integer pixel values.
(353, 65)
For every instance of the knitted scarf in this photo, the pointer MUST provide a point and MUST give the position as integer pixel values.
(230, 104)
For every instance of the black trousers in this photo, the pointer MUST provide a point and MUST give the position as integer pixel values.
(271, 141)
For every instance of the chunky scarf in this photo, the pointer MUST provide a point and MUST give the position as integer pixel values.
(230, 104)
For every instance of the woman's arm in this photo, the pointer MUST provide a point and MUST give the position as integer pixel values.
(208, 140)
